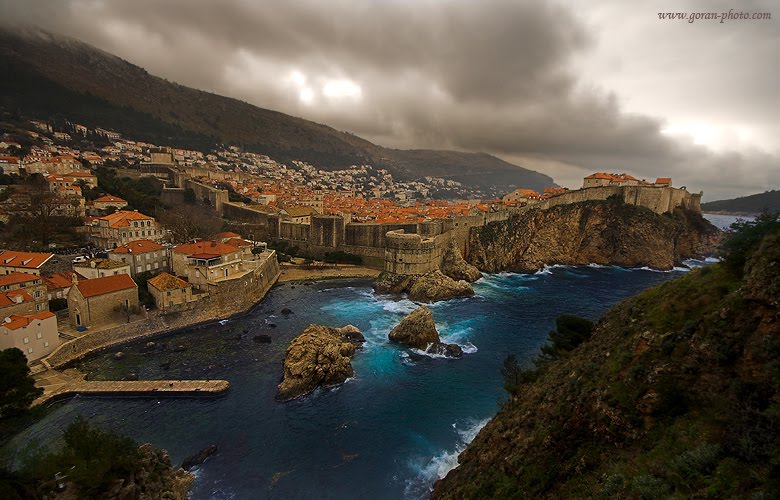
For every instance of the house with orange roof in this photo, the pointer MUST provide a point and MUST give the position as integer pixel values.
(123, 227)
(207, 261)
(34, 334)
(664, 181)
(17, 301)
(142, 256)
(605, 179)
(32, 284)
(24, 262)
(108, 201)
(106, 301)
(169, 291)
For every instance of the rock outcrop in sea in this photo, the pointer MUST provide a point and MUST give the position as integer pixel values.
(429, 287)
(602, 232)
(418, 330)
(455, 266)
(318, 357)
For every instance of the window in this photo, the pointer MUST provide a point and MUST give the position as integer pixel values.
(46, 344)
(156, 265)
(169, 293)
(27, 340)
(29, 350)
(40, 335)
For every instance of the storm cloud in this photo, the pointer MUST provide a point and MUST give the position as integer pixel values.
(548, 85)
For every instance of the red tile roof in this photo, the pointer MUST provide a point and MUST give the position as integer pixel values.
(225, 235)
(16, 321)
(110, 199)
(108, 284)
(121, 218)
(9, 298)
(200, 247)
(59, 280)
(26, 260)
(16, 278)
(139, 246)
(165, 281)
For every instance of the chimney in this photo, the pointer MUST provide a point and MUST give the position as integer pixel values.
(74, 278)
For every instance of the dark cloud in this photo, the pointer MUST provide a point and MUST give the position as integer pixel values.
(515, 78)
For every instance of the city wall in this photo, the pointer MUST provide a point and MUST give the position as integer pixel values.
(658, 199)
(414, 248)
(225, 299)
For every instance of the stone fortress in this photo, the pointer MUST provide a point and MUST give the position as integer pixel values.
(410, 248)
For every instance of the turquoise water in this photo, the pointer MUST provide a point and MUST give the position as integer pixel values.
(389, 432)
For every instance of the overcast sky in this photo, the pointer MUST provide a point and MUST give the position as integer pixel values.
(559, 86)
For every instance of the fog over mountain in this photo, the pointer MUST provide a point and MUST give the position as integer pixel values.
(548, 85)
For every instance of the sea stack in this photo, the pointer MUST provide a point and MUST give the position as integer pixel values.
(429, 287)
(318, 357)
(418, 330)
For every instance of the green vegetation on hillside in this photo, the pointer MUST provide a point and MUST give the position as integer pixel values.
(753, 204)
(675, 395)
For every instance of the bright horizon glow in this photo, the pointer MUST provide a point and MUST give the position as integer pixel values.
(339, 89)
(713, 136)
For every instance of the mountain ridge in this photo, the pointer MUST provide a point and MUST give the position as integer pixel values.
(34, 60)
(746, 205)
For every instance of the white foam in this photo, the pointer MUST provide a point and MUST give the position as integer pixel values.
(403, 306)
(468, 348)
(440, 464)
(223, 321)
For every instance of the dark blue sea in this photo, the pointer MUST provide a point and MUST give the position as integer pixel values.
(388, 433)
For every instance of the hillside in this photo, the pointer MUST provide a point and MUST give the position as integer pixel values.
(45, 75)
(746, 205)
(606, 232)
(675, 395)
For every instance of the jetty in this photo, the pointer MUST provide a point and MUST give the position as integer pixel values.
(61, 386)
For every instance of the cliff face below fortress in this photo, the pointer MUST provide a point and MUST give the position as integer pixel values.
(675, 395)
(602, 232)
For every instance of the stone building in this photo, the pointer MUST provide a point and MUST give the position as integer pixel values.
(24, 262)
(100, 268)
(108, 201)
(204, 261)
(102, 301)
(522, 196)
(32, 285)
(123, 227)
(35, 334)
(169, 291)
(142, 256)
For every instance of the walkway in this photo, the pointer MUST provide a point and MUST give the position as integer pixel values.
(58, 384)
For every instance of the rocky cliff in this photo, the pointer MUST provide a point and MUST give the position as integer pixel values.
(675, 395)
(319, 357)
(602, 232)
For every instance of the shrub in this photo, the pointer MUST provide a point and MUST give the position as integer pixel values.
(570, 332)
(745, 238)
